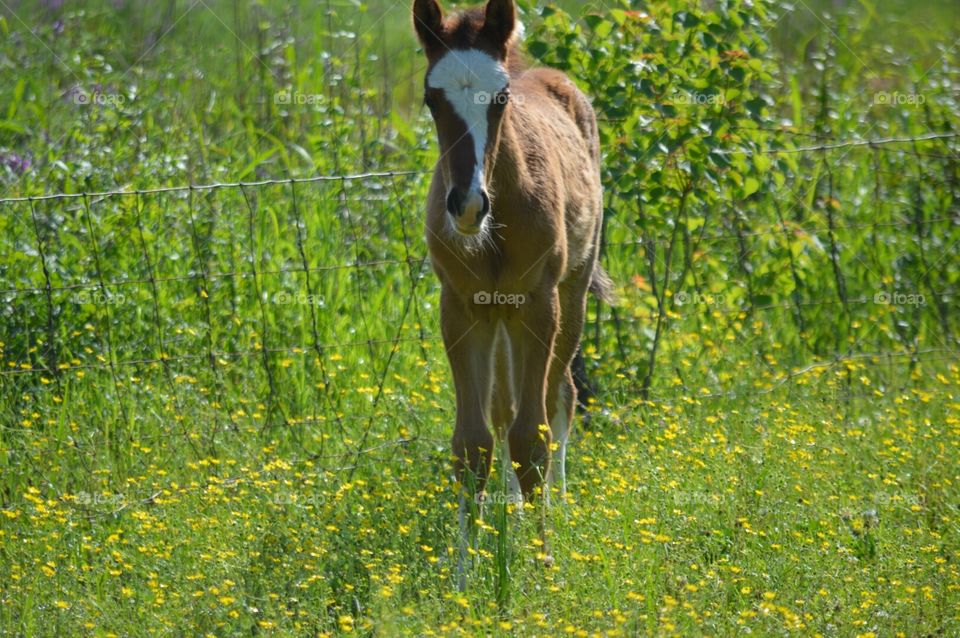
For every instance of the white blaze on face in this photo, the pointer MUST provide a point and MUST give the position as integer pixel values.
(470, 80)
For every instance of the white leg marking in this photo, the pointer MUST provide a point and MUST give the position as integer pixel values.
(560, 428)
(503, 345)
(560, 458)
(463, 556)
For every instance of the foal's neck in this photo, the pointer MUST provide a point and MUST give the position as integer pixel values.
(509, 163)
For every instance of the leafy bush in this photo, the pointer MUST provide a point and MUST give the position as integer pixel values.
(722, 226)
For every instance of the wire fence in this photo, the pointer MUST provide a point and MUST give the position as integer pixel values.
(271, 302)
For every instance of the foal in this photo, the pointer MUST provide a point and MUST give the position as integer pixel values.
(513, 222)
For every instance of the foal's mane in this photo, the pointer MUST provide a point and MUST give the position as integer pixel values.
(463, 30)
(516, 59)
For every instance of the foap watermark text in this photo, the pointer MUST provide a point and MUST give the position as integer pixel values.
(296, 98)
(896, 298)
(98, 298)
(698, 298)
(496, 298)
(896, 98)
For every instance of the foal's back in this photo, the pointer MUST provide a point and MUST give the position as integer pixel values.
(558, 88)
(558, 130)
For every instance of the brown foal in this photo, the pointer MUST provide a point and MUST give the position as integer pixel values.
(513, 222)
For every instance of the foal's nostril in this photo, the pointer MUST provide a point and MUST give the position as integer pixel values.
(455, 203)
(486, 205)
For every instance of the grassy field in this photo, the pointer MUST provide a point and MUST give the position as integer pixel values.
(226, 411)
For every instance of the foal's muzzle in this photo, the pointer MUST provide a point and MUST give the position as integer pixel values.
(467, 209)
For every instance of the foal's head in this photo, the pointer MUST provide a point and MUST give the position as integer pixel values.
(467, 91)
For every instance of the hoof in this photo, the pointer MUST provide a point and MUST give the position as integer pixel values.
(548, 561)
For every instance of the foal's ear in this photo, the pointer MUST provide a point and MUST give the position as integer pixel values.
(499, 21)
(428, 23)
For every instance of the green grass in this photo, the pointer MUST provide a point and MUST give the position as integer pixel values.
(796, 513)
(227, 411)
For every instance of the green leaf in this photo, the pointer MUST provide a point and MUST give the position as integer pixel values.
(538, 49)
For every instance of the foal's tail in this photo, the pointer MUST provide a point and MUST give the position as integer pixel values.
(601, 286)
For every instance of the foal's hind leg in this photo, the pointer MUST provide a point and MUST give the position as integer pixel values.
(561, 422)
(561, 392)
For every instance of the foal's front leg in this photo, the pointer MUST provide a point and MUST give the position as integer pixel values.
(532, 334)
(468, 341)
